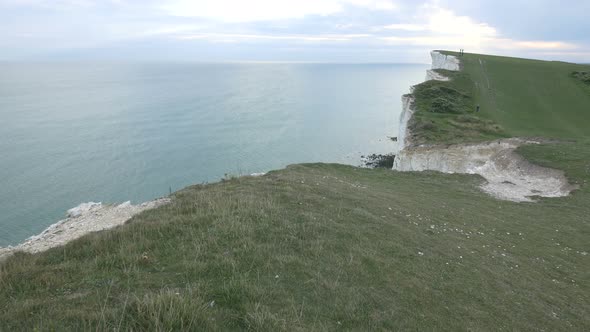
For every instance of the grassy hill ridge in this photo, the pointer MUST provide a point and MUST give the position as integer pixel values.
(331, 247)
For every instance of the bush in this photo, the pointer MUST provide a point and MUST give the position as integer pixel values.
(442, 105)
(583, 76)
(379, 160)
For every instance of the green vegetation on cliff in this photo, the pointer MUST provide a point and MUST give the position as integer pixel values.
(517, 97)
(330, 247)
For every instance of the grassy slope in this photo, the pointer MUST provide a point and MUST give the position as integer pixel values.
(328, 246)
(529, 97)
(522, 97)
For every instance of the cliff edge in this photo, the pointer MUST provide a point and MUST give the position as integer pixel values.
(507, 175)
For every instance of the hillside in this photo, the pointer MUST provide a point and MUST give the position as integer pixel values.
(328, 247)
(517, 98)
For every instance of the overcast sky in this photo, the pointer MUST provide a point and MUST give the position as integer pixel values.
(291, 30)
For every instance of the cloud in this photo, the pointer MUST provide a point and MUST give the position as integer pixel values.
(265, 10)
(365, 28)
(48, 4)
(438, 27)
(405, 27)
(446, 22)
(229, 37)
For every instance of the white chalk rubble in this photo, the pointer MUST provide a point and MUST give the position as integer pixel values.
(81, 220)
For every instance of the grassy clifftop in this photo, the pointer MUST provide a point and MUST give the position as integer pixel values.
(517, 97)
(330, 247)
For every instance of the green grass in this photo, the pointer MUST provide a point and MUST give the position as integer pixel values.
(456, 121)
(331, 247)
(517, 97)
(320, 247)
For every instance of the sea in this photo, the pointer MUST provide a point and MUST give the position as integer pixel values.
(113, 132)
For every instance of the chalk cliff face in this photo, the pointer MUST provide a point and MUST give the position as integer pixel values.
(403, 136)
(431, 75)
(508, 175)
(442, 61)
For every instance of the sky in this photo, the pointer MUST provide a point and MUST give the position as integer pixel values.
(392, 31)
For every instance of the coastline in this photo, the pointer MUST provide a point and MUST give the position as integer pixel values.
(508, 176)
(81, 220)
(84, 219)
(439, 61)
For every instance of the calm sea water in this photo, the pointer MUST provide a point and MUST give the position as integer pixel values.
(72, 133)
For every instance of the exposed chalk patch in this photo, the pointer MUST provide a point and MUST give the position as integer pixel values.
(508, 175)
(442, 61)
(83, 219)
(403, 137)
(432, 75)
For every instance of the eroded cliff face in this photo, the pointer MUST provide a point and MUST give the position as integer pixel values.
(442, 61)
(432, 75)
(404, 135)
(507, 175)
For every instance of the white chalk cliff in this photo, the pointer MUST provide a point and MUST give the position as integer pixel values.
(508, 175)
(432, 75)
(406, 115)
(443, 61)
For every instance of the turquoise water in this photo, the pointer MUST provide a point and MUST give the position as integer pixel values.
(73, 133)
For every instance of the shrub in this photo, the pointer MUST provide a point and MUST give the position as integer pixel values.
(583, 76)
(379, 160)
(443, 105)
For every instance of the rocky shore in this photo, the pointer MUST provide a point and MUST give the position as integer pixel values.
(81, 220)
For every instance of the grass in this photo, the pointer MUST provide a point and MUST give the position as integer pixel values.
(331, 247)
(319, 247)
(517, 97)
(446, 113)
